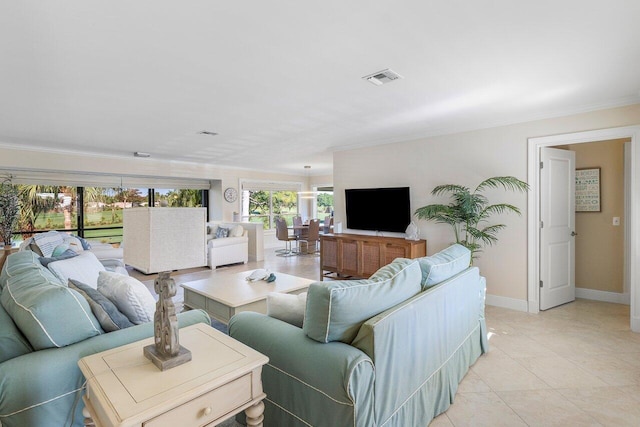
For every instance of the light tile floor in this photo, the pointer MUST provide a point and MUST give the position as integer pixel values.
(574, 365)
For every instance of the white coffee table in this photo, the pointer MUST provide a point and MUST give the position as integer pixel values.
(222, 295)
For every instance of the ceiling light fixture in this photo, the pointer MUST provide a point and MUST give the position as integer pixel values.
(141, 154)
(307, 194)
(382, 77)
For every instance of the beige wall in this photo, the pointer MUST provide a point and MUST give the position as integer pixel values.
(600, 244)
(468, 158)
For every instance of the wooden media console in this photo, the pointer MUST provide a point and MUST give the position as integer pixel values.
(359, 256)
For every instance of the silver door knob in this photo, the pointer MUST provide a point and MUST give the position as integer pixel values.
(573, 233)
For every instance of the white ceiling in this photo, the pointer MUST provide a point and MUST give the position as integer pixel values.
(280, 81)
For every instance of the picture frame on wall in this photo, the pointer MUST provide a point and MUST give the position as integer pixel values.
(588, 190)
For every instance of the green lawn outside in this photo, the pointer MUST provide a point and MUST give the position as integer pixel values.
(97, 220)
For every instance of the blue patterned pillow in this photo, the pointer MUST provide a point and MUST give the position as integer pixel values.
(110, 318)
(69, 253)
(222, 232)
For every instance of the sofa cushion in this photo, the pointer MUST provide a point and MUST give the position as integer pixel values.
(236, 231)
(69, 253)
(211, 231)
(84, 268)
(12, 342)
(24, 261)
(48, 241)
(129, 295)
(446, 263)
(110, 318)
(336, 310)
(287, 307)
(74, 243)
(222, 232)
(48, 313)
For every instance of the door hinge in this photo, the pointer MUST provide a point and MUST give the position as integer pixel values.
(541, 165)
(540, 283)
(541, 224)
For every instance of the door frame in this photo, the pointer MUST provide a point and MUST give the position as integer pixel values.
(533, 210)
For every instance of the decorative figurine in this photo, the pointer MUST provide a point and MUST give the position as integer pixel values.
(167, 352)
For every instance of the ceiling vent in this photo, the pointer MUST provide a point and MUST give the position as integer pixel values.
(382, 77)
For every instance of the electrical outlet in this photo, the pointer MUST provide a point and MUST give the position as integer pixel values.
(616, 220)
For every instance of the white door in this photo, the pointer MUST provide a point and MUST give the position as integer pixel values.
(557, 228)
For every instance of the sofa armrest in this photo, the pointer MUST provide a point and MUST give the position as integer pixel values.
(45, 387)
(322, 384)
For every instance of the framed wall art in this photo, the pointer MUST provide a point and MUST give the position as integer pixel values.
(588, 190)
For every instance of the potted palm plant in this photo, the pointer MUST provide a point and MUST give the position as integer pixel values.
(469, 212)
(8, 210)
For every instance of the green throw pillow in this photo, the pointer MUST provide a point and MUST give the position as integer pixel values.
(443, 265)
(336, 310)
(48, 313)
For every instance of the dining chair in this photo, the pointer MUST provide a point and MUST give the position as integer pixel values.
(328, 226)
(312, 236)
(297, 222)
(282, 233)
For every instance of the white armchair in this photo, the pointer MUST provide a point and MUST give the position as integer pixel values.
(232, 249)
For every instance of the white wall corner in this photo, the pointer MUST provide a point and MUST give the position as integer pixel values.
(505, 302)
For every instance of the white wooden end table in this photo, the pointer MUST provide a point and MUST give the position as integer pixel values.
(223, 378)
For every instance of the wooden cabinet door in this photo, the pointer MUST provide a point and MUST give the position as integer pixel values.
(370, 260)
(348, 257)
(393, 251)
(329, 254)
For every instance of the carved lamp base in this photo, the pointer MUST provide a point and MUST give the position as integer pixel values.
(163, 362)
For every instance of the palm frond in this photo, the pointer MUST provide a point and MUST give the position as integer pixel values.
(469, 209)
(439, 213)
(499, 208)
(483, 235)
(510, 183)
(449, 188)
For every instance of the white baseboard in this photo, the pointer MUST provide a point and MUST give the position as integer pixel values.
(604, 296)
(505, 302)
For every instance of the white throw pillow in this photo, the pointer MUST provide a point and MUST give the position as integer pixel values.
(287, 307)
(129, 295)
(83, 268)
(74, 243)
(236, 231)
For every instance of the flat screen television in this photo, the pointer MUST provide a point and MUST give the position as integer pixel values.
(378, 209)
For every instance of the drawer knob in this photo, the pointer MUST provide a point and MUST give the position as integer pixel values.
(207, 411)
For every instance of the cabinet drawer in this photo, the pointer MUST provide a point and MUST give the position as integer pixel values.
(208, 407)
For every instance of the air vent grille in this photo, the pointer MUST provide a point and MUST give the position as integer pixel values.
(382, 77)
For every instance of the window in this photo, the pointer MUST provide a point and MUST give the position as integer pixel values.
(103, 210)
(91, 212)
(324, 203)
(178, 198)
(45, 207)
(266, 203)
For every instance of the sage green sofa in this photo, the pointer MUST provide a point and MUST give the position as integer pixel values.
(388, 351)
(40, 382)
